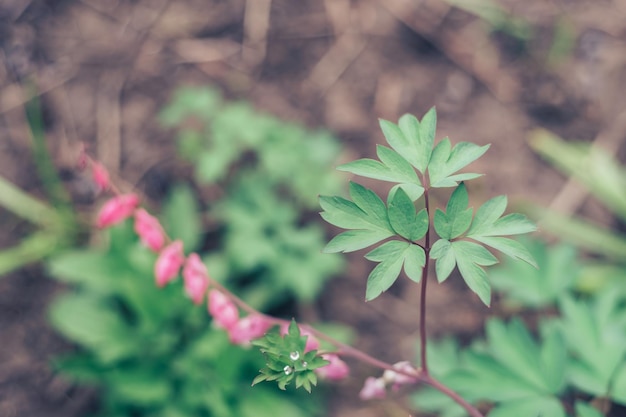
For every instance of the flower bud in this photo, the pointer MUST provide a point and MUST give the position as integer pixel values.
(196, 278)
(373, 388)
(336, 370)
(248, 328)
(100, 176)
(398, 379)
(168, 263)
(116, 210)
(223, 310)
(149, 230)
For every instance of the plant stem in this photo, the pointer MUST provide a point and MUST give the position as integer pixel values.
(422, 317)
(471, 410)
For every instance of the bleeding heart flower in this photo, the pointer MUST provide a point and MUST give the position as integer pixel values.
(196, 278)
(149, 230)
(398, 379)
(373, 388)
(100, 176)
(335, 370)
(223, 310)
(248, 328)
(168, 263)
(116, 210)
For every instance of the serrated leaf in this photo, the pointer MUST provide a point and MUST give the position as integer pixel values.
(445, 161)
(371, 204)
(403, 219)
(353, 240)
(396, 139)
(392, 255)
(487, 214)
(441, 251)
(457, 217)
(475, 278)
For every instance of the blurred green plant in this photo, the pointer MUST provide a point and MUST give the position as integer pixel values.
(149, 350)
(56, 221)
(605, 179)
(579, 354)
(267, 174)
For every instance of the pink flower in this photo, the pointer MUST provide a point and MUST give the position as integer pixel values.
(335, 370)
(248, 328)
(117, 209)
(196, 278)
(373, 388)
(100, 176)
(311, 341)
(149, 230)
(398, 379)
(168, 263)
(223, 310)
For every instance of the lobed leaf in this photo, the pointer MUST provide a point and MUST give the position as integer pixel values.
(445, 161)
(392, 256)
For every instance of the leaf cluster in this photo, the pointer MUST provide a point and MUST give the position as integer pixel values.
(286, 360)
(578, 353)
(416, 165)
(150, 351)
(267, 173)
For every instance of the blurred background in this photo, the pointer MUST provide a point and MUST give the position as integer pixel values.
(189, 102)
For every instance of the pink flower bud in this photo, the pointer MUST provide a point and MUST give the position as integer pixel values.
(248, 328)
(398, 379)
(311, 341)
(223, 310)
(373, 388)
(336, 370)
(100, 176)
(116, 210)
(149, 230)
(168, 263)
(196, 278)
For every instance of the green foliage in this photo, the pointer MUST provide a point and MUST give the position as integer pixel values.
(266, 173)
(558, 272)
(417, 165)
(286, 361)
(605, 179)
(151, 351)
(579, 352)
(56, 221)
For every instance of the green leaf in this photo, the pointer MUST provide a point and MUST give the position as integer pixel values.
(586, 410)
(85, 320)
(91, 269)
(399, 142)
(181, 217)
(535, 284)
(371, 204)
(457, 217)
(594, 332)
(353, 240)
(445, 161)
(403, 219)
(392, 255)
(443, 253)
(393, 167)
(468, 257)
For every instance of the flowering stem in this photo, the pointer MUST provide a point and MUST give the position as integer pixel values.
(471, 410)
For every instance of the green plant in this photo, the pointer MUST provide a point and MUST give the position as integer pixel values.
(146, 350)
(579, 352)
(267, 174)
(150, 351)
(56, 220)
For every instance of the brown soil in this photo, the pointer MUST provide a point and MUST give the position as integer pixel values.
(106, 67)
